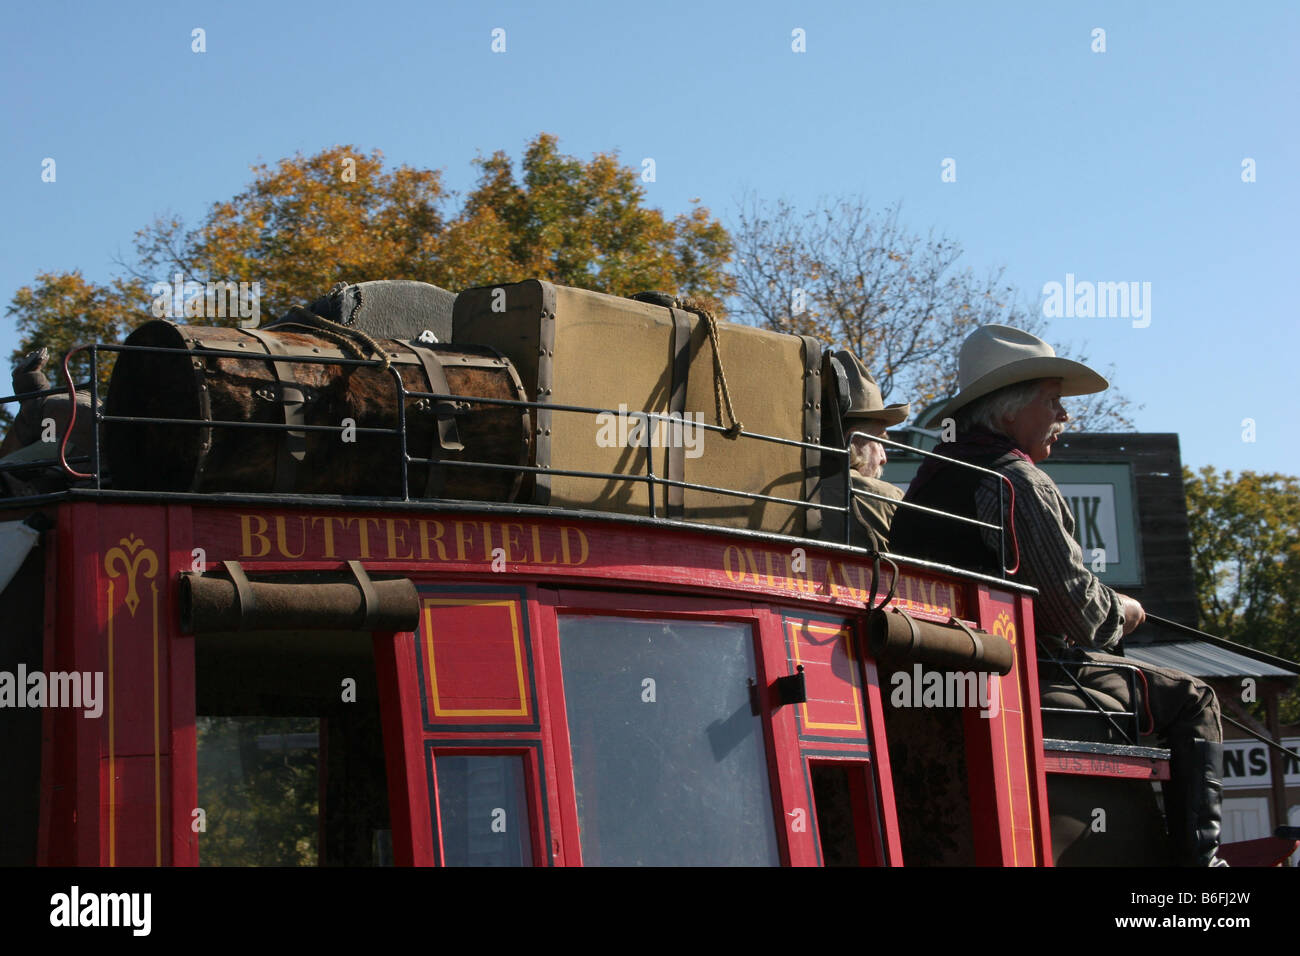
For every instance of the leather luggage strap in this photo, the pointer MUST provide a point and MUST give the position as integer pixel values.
(293, 444)
(444, 409)
(431, 362)
(812, 432)
(677, 405)
(978, 645)
(243, 590)
(369, 598)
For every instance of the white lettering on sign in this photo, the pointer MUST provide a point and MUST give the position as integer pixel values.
(1246, 767)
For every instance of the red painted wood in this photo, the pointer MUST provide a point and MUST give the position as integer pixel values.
(792, 804)
(710, 574)
(571, 549)
(474, 648)
(52, 812)
(825, 648)
(408, 790)
(1000, 751)
(1266, 851)
(182, 848)
(1104, 765)
(86, 652)
(891, 853)
(1033, 707)
(565, 835)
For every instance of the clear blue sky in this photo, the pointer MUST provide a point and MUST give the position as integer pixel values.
(1115, 166)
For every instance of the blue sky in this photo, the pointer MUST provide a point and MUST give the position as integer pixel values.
(1122, 166)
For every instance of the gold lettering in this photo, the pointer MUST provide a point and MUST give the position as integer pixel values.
(328, 525)
(510, 540)
(462, 540)
(844, 576)
(537, 547)
(436, 538)
(394, 538)
(488, 546)
(364, 532)
(283, 546)
(565, 551)
(771, 578)
(729, 564)
(799, 581)
(248, 534)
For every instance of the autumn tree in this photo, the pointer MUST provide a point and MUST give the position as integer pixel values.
(858, 279)
(305, 223)
(60, 311)
(1246, 558)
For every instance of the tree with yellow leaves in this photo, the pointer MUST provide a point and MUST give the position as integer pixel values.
(308, 222)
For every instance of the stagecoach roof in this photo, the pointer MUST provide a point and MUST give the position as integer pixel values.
(1202, 659)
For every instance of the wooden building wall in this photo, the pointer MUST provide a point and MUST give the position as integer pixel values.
(1168, 587)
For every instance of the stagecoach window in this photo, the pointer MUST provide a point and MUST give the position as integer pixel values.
(290, 750)
(668, 754)
(483, 810)
(259, 790)
(840, 792)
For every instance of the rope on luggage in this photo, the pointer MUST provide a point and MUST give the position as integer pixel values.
(337, 332)
(721, 393)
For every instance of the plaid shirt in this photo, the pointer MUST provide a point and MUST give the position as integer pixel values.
(1072, 603)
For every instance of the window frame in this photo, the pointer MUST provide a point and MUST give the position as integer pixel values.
(780, 744)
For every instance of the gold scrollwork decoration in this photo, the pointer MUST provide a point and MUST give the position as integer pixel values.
(130, 558)
(1004, 626)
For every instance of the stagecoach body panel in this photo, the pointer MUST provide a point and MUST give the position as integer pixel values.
(612, 688)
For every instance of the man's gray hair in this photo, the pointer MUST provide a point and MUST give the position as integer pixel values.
(993, 409)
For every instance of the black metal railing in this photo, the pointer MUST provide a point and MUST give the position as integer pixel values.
(447, 404)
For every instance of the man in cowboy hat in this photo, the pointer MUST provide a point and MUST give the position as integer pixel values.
(864, 416)
(1008, 415)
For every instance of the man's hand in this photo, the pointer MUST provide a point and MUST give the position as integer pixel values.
(1133, 614)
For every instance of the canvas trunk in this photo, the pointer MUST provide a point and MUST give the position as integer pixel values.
(621, 356)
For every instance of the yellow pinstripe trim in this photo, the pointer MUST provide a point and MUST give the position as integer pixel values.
(848, 649)
(516, 637)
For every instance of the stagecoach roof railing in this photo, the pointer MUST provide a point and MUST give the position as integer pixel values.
(450, 400)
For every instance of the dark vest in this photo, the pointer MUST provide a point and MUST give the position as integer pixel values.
(933, 538)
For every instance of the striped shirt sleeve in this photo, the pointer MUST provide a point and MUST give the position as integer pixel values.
(1072, 602)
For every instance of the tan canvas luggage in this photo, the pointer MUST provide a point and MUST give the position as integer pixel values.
(573, 347)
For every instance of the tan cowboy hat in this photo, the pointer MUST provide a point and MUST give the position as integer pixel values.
(865, 400)
(995, 356)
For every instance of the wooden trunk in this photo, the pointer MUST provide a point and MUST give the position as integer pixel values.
(188, 381)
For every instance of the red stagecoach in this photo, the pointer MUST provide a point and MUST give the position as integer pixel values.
(424, 648)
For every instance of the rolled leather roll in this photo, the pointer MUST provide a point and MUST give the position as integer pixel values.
(894, 635)
(335, 601)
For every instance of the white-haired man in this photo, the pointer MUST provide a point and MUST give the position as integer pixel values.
(864, 416)
(1008, 415)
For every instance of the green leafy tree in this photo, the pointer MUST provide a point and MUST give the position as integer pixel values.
(1246, 557)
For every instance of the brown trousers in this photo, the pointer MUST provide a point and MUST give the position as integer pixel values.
(1175, 706)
